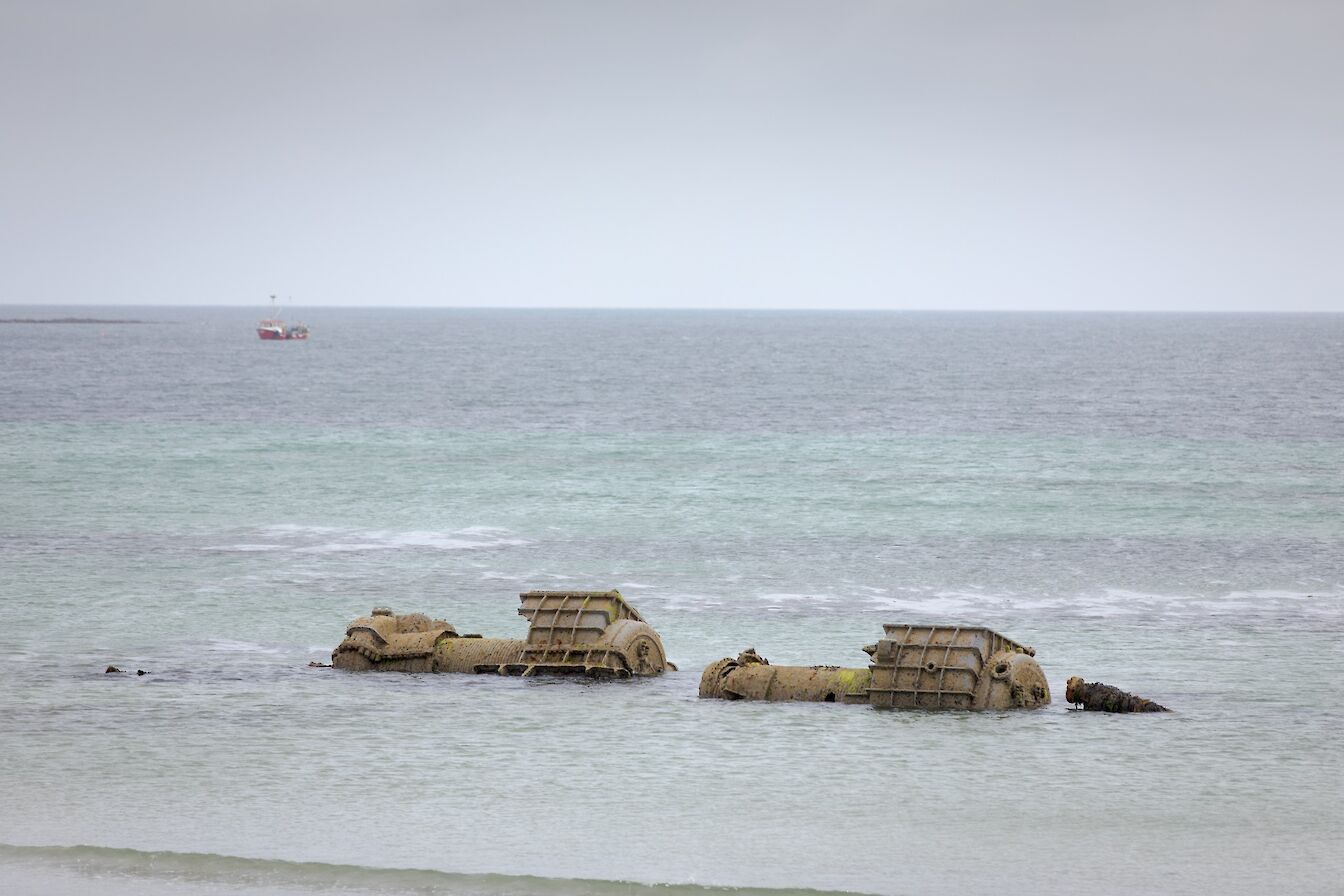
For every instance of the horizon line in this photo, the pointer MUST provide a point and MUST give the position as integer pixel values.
(688, 308)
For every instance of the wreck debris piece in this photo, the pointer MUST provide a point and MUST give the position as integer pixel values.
(593, 633)
(950, 667)
(1100, 697)
(912, 667)
(751, 677)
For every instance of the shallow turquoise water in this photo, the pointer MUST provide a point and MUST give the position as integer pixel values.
(1152, 501)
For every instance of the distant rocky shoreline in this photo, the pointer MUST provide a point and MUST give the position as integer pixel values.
(66, 320)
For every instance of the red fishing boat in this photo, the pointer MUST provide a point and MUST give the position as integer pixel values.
(274, 328)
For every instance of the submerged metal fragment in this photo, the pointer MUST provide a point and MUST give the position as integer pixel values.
(912, 667)
(1100, 697)
(593, 633)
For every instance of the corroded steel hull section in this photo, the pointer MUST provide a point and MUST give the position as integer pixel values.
(912, 667)
(751, 677)
(592, 633)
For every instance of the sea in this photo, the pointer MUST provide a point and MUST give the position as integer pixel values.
(1153, 501)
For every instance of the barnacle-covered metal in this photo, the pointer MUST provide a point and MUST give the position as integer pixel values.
(1100, 697)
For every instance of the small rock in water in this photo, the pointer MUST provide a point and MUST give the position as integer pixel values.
(110, 669)
(141, 672)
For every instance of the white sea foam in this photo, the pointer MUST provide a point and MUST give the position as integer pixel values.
(692, 602)
(246, 547)
(296, 529)
(975, 602)
(932, 605)
(483, 531)
(331, 540)
(1121, 602)
(343, 547)
(789, 597)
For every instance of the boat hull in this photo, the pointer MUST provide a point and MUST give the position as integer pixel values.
(272, 334)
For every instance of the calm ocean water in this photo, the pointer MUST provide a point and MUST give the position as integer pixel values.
(1154, 501)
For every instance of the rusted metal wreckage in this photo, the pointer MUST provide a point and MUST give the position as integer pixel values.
(592, 633)
(1098, 697)
(598, 634)
(912, 667)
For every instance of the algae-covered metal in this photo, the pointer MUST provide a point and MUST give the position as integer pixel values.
(593, 633)
(912, 667)
(1100, 697)
(950, 667)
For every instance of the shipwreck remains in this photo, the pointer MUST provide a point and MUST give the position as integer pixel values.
(912, 667)
(1100, 697)
(592, 633)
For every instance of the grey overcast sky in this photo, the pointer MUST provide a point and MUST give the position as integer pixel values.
(941, 154)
